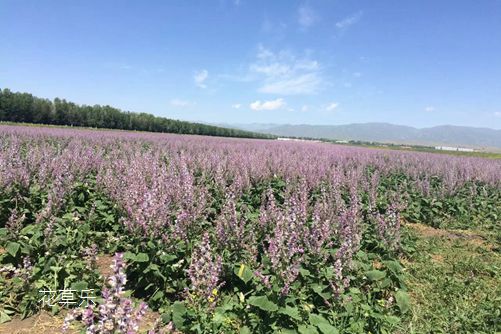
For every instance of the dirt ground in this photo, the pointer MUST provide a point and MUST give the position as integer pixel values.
(46, 323)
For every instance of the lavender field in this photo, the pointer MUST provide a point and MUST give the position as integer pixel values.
(226, 235)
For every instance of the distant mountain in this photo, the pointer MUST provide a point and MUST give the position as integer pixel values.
(389, 133)
(254, 126)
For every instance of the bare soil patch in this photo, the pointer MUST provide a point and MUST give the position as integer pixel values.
(46, 323)
(103, 263)
(466, 235)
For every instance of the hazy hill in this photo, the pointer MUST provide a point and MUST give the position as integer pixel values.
(389, 133)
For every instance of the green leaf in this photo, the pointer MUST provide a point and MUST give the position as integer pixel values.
(263, 303)
(178, 312)
(12, 248)
(243, 272)
(403, 301)
(304, 272)
(142, 257)
(168, 257)
(327, 328)
(394, 266)
(304, 329)
(245, 330)
(79, 286)
(316, 319)
(375, 275)
(4, 317)
(165, 318)
(292, 312)
(385, 283)
(129, 256)
(158, 295)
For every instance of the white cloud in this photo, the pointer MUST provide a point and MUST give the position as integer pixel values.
(429, 109)
(305, 108)
(306, 16)
(285, 74)
(236, 106)
(331, 106)
(497, 113)
(299, 85)
(200, 78)
(267, 105)
(349, 21)
(180, 103)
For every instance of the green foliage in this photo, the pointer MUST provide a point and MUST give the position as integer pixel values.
(26, 108)
(377, 301)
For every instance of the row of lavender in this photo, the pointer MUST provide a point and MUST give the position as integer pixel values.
(264, 226)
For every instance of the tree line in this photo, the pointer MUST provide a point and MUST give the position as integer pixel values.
(26, 108)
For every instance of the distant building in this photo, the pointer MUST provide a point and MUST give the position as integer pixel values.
(457, 149)
(298, 139)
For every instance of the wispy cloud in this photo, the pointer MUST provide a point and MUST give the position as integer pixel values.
(306, 16)
(267, 105)
(200, 78)
(236, 106)
(350, 20)
(298, 85)
(429, 109)
(497, 113)
(285, 74)
(180, 103)
(331, 106)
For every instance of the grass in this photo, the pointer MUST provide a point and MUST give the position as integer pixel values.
(478, 154)
(454, 278)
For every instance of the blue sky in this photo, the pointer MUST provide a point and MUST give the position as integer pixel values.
(419, 63)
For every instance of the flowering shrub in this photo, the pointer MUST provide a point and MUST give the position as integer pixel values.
(116, 313)
(224, 235)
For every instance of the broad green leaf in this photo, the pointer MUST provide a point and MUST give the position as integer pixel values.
(12, 248)
(394, 266)
(165, 318)
(304, 272)
(244, 273)
(403, 301)
(4, 317)
(292, 312)
(375, 275)
(178, 312)
(245, 330)
(305, 329)
(129, 256)
(327, 328)
(142, 257)
(263, 303)
(316, 319)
